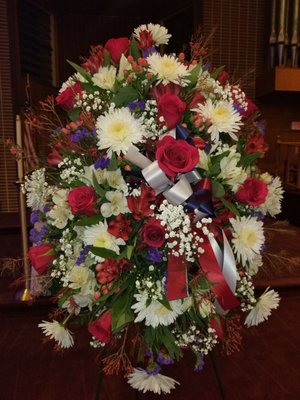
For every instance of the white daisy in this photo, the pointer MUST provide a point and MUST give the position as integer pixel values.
(139, 379)
(248, 238)
(223, 118)
(98, 236)
(159, 33)
(57, 332)
(105, 77)
(168, 69)
(118, 130)
(117, 204)
(156, 313)
(272, 204)
(268, 301)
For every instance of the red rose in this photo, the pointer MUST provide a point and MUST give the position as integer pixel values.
(82, 200)
(117, 47)
(39, 258)
(253, 192)
(153, 233)
(171, 108)
(66, 99)
(101, 328)
(176, 156)
(256, 144)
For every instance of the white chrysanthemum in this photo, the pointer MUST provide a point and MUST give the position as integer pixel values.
(159, 33)
(60, 213)
(254, 265)
(156, 313)
(115, 180)
(248, 238)
(223, 118)
(140, 380)
(36, 189)
(117, 204)
(98, 236)
(118, 130)
(272, 204)
(105, 78)
(168, 69)
(57, 332)
(268, 301)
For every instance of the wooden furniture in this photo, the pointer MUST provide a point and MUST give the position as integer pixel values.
(288, 159)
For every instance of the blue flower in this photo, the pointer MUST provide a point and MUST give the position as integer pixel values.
(101, 163)
(154, 255)
(79, 134)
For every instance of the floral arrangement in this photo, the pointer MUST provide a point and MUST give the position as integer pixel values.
(148, 219)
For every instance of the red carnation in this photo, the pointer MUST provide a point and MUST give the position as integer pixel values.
(82, 200)
(66, 99)
(253, 192)
(39, 257)
(101, 328)
(153, 233)
(117, 47)
(171, 108)
(176, 156)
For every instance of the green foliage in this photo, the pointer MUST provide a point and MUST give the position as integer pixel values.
(249, 159)
(81, 71)
(125, 95)
(134, 49)
(230, 206)
(160, 336)
(103, 252)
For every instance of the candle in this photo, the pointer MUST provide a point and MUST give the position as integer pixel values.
(281, 21)
(19, 144)
(294, 40)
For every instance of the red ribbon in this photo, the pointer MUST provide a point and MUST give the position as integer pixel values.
(176, 278)
(220, 288)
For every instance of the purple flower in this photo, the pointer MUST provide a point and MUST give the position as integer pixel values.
(164, 359)
(137, 105)
(36, 236)
(101, 163)
(199, 362)
(34, 216)
(79, 134)
(153, 369)
(82, 254)
(148, 353)
(154, 255)
(147, 52)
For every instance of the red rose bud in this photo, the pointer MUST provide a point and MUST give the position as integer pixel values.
(153, 233)
(54, 158)
(66, 99)
(253, 192)
(101, 328)
(171, 108)
(176, 156)
(82, 200)
(39, 258)
(223, 78)
(117, 47)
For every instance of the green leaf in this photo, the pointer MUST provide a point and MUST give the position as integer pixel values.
(74, 114)
(165, 303)
(79, 69)
(249, 159)
(216, 73)
(122, 313)
(98, 189)
(106, 58)
(193, 77)
(214, 170)
(113, 164)
(134, 49)
(103, 252)
(88, 221)
(217, 189)
(230, 206)
(125, 95)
